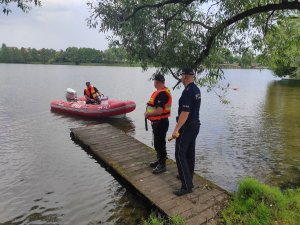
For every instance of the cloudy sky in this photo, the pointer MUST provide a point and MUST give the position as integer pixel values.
(58, 24)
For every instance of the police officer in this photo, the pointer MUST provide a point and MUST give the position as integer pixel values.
(158, 111)
(186, 131)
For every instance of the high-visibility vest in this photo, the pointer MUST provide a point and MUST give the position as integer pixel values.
(167, 109)
(92, 94)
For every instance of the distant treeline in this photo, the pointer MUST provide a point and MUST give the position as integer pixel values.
(112, 55)
(71, 55)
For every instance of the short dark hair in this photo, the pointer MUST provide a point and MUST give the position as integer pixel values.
(159, 77)
(187, 71)
(87, 83)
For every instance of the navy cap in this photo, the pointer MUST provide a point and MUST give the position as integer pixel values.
(187, 71)
(159, 77)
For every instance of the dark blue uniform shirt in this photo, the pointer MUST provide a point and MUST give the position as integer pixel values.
(190, 101)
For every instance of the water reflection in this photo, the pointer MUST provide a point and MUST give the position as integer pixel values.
(39, 213)
(125, 211)
(45, 216)
(120, 207)
(124, 123)
(282, 107)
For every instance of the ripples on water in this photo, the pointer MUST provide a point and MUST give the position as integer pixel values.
(46, 182)
(47, 179)
(257, 134)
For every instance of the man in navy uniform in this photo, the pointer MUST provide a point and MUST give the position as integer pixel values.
(186, 131)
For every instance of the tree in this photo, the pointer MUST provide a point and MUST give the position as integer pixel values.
(71, 55)
(170, 34)
(35, 55)
(16, 55)
(115, 55)
(282, 52)
(26, 53)
(24, 5)
(58, 57)
(46, 55)
(247, 58)
(88, 55)
(11, 55)
(4, 55)
(225, 56)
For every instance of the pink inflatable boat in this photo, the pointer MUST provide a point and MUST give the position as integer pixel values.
(107, 108)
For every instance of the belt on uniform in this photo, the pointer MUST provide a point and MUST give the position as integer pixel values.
(157, 121)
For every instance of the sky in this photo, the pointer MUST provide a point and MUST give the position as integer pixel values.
(58, 24)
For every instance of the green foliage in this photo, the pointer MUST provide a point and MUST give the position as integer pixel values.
(282, 48)
(258, 204)
(24, 5)
(247, 58)
(173, 34)
(71, 55)
(114, 54)
(154, 220)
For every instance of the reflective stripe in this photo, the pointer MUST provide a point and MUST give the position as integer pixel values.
(167, 108)
(150, 109)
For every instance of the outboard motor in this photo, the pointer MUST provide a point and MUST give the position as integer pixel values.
(71, 95)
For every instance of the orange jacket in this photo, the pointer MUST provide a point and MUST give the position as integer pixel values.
(167, 109)
(92, 94)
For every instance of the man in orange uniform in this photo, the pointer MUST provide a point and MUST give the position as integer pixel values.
(91, 93)
(158, 111)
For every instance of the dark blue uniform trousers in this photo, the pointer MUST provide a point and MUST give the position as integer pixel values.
(185, 152)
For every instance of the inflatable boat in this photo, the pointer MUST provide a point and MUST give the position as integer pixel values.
(107, 107)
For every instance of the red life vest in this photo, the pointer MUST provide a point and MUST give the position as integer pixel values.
(167, 109)
(92, 94)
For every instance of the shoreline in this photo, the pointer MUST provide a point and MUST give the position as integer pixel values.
(222, 66)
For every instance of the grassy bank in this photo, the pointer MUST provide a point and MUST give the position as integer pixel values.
(257, 203)
(153, 220)
(254, 203)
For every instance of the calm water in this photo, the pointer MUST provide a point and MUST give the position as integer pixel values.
(45, 178)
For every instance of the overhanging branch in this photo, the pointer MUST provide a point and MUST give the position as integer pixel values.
(267, 22)
(222, 26)
(158, 5)
(196, 23)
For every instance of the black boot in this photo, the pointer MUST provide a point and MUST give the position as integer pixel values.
(159, 169)
(182, 191)
(154, 164)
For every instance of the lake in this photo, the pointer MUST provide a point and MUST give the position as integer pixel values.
(48, 179)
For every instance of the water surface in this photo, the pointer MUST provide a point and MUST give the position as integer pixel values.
(45, 178)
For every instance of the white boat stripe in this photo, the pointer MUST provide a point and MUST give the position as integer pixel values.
(94, 111)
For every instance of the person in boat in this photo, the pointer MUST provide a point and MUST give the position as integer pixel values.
(158, 110)
(186, 131)
(92, 94)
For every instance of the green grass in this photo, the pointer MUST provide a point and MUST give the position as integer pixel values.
(154, 220)
(255, 203)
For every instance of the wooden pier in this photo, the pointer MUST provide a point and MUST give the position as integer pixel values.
(130, 158)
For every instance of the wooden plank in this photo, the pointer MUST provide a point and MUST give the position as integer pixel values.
(130, 159)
